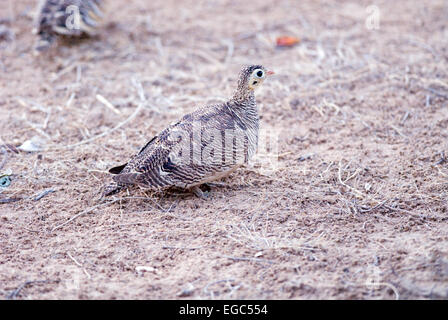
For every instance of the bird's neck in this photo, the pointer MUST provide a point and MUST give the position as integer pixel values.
(244, 95)
(244, 106)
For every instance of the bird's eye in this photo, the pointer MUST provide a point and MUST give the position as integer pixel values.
(5, 181)
(260, 74)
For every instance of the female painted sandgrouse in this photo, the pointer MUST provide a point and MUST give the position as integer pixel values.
(70, 18)
(205, 145)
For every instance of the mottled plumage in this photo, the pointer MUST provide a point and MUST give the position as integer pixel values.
(202, 146)
(71, 18)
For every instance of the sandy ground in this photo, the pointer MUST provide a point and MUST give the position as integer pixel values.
(352, 206)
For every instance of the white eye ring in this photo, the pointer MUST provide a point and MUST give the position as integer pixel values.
(259, 73)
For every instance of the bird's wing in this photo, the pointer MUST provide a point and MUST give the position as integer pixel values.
(145, 163)
(175, 156)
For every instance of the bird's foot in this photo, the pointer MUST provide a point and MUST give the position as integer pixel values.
(205, 195)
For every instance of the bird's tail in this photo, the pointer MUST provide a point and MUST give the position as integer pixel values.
(111, 189)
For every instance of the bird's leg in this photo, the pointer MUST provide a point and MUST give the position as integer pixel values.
(201, 194)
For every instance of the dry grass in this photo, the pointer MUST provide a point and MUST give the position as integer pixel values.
(355, 208)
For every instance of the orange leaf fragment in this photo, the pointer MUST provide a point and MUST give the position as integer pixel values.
(287, 41)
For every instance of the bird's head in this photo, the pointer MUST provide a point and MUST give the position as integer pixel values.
(251, 78)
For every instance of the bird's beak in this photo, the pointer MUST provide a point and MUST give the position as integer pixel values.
(270, 73)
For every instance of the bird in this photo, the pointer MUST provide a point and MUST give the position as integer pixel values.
(203, 146)
(69, 18)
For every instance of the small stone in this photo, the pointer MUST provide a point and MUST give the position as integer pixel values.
(187, 291)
